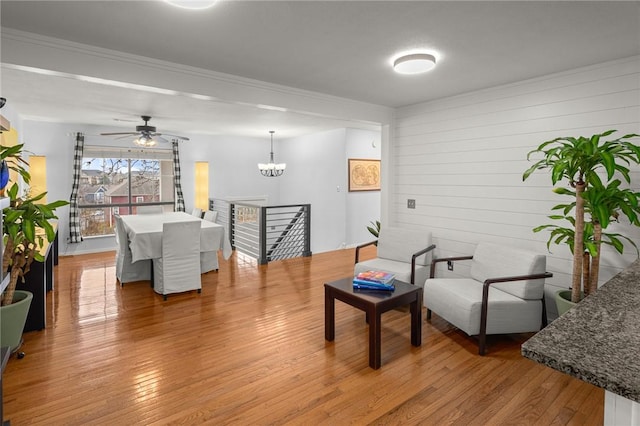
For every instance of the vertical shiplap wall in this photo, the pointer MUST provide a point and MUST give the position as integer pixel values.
(462, 160)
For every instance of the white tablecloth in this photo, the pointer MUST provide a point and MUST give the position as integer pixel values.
(145, 234)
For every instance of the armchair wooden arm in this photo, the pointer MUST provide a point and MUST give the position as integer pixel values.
(413, 261)
(485, 303)
(432, 274)
(362, 246)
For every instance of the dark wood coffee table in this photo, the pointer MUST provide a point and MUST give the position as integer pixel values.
(374, 304)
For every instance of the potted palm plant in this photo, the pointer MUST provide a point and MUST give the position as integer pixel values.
(22, 243)
(593, 168)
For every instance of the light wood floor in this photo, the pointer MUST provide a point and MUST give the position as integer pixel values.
(250, 350)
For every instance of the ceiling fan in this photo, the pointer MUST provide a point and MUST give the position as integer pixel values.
(146, 135)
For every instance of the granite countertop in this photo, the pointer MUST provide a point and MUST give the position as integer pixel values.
(597, 341)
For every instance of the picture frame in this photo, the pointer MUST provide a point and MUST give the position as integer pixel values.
(364, 174)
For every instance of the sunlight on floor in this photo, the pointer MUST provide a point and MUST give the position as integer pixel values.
(98, 299)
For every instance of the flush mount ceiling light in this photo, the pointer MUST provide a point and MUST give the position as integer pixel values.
(414, 63)
(193, 5)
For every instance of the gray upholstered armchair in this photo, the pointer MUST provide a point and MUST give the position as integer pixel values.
(505, 293)
(403, 252)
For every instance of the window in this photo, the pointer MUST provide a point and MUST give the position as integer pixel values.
(116, 180)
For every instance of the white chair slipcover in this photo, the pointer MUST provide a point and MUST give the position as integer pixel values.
(210, 215)
(197, 213)
(178, 269)
(127, 271)
(209, 259)
(149, 209)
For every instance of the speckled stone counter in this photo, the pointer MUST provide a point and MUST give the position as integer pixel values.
(598, 341)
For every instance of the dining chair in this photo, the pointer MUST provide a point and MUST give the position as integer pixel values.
(178, 269)
(126, 270)
(504, 293)
(209, 259)
(196, 212)
(149, 209)
(210, 215)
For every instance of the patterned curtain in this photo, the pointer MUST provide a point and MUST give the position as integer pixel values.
(74, 211)
(176, 176)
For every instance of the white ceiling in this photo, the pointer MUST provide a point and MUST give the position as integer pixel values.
(337, 48)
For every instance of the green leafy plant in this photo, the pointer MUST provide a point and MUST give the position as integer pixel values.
(580, 162)
(21, 222)
(374, 228)
(15, 162)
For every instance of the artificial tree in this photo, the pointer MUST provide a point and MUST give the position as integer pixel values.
(582, 162)
(22, 219)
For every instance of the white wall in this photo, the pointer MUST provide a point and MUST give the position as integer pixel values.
(317, 174)
(233, 167)
(316, 166)
(12, 115)
(362, 207)
(462, 159)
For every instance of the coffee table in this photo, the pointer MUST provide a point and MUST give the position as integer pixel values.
(374, 304)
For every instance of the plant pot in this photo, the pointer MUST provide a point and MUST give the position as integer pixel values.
(13, 318)
(563, 301)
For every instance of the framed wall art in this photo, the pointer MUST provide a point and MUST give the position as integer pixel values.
(364, 175)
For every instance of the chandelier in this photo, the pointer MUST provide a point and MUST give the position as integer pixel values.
(271, 169)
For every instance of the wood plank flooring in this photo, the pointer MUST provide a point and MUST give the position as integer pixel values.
(250, 350)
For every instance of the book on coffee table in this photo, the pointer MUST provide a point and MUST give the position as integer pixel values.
(374, 280)
(370, 285)
(380, 277)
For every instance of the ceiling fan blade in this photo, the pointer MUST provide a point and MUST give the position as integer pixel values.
(183, 138)
(128, 135)
(119, 133)
(160, 139)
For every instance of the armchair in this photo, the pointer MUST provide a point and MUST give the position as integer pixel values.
(505, 293)
(403, 252)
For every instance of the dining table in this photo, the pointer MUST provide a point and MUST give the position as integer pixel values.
(145, 234)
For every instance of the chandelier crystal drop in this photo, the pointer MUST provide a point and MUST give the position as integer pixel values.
(271, 169)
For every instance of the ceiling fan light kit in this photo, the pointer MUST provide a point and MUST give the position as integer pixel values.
(271, 169)
(145, 141)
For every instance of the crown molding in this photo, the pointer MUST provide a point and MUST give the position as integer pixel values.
(62, 56)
